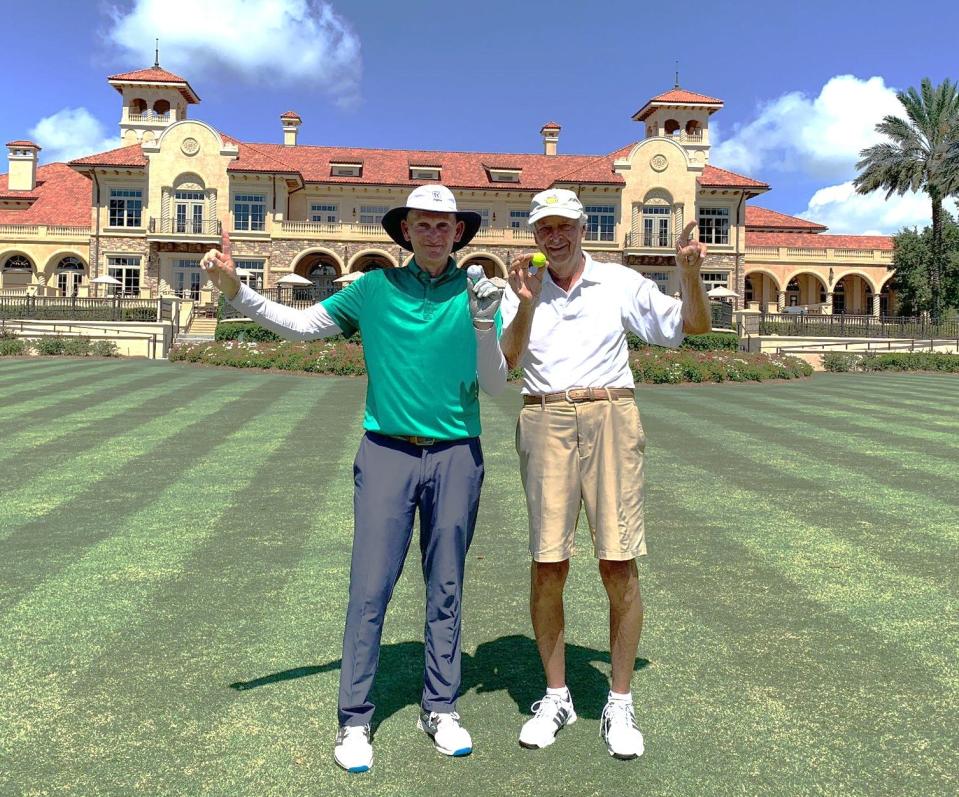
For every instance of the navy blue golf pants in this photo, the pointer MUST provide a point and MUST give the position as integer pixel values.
(393, 480)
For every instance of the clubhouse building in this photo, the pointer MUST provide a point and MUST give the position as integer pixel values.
(145, 212)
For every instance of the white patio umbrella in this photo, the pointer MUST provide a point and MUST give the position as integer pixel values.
(721, 292)
(243, 272)
(293, 279)
(105, 279)
(353, 276)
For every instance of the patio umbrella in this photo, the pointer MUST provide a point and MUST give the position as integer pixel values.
(721, 292)
(293, 279)
(243, 272)
(106, 279)
(351, 277)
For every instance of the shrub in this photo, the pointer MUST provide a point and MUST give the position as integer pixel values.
(319, 357)
(712, 341)
(49, 346)
(243, 330)
(104, 348)
(840, 361)
(12, 347)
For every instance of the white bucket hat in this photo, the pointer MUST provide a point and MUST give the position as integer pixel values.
(555, 202)
(439, 199)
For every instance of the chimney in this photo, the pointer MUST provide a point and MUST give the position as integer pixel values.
(291, 121)
(550, 134)
(23, 165)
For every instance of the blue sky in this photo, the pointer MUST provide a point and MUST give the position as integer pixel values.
(803, 83)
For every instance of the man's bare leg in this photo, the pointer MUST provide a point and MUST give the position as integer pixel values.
(547, 580)
(621, 580)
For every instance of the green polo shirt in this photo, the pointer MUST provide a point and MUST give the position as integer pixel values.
(420, 350)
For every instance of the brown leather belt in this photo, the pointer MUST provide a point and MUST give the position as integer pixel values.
(415, 440)
(577, 395)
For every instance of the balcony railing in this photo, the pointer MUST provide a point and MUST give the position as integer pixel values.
(39, 232)
(644, 240)
(356, 231)
(826, 254)
(164, 226)
(148, 117)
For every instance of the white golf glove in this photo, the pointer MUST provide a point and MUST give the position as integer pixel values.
(485, 293)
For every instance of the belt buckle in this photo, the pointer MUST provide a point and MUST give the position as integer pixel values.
(570, 399)
(424, 441)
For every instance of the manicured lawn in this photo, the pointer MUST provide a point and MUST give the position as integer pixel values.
(174, 555)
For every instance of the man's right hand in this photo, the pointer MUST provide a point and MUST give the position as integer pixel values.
(220, 268)
(526, 286)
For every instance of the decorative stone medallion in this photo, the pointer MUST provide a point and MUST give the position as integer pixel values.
(190, 146)
(659, 163)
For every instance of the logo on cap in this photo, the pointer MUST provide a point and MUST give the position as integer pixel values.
(551, 200)
(436, 196)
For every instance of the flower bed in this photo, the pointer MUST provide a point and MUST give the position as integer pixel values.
(664, 366)
(891, 361)
(12, 346)
(653, 365)
(316, 357)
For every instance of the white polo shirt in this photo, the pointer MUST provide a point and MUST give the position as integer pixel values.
(579, 339)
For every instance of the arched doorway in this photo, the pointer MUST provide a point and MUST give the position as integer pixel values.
(70, 271)
(805, 290)
(370, 261)
(321, 269)
(852, 295)
(490, 266)
(760, 292)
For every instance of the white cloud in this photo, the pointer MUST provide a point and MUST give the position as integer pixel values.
(295, 42)
(71, 133)
(841, 209)
(820, 136)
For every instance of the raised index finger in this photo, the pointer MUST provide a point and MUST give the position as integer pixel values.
(225, 244)
(686, 233)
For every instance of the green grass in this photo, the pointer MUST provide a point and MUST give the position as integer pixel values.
(174, 556)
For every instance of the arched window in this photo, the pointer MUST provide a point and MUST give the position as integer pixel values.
(671, 127)
(17, 263)
(138, 106)
(161, 107)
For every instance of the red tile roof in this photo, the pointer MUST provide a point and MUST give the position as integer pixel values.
(291, 115)
(131, 155)
(62, 196)
(23, 143)
(551, 126)
(763, 219)
(677, 97)
(712, 176)
(460, 169)
(801, 240)
(156, 75)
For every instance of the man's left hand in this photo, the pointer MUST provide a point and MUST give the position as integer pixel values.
(689, 253)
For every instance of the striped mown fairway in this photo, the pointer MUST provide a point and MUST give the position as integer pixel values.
(174, 555)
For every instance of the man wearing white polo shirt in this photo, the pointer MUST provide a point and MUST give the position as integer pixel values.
(580, 439)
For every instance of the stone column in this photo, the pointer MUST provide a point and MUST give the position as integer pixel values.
(780, 300)
(875, 305)
(827, 310)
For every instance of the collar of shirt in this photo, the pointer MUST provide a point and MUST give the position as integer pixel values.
(424, 276)
(589, 275)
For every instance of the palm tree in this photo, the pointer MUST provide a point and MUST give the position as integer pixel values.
(922, 155)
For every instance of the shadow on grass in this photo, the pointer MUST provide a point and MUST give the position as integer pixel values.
(510, 664)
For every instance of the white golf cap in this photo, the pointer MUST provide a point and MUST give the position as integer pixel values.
(439, 199)
(555, 202)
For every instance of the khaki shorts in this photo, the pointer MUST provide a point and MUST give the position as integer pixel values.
(587, 454)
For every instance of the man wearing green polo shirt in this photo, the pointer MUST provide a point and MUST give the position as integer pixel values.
(430, 341)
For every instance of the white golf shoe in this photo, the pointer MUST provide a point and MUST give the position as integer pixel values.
(444, 728)
(353, 749)
(618, 728)
(550, 716)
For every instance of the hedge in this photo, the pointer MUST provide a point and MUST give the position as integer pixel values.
(891, 361)
(653, 365)
(712, 341)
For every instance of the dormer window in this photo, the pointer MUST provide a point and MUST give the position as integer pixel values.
(504, 174)
(346, 169)
(430, 174)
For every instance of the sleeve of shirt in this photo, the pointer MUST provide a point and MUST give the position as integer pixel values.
(508, 307)
(655, 317)
(287, 322)
(491, 370)
(346, 306)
